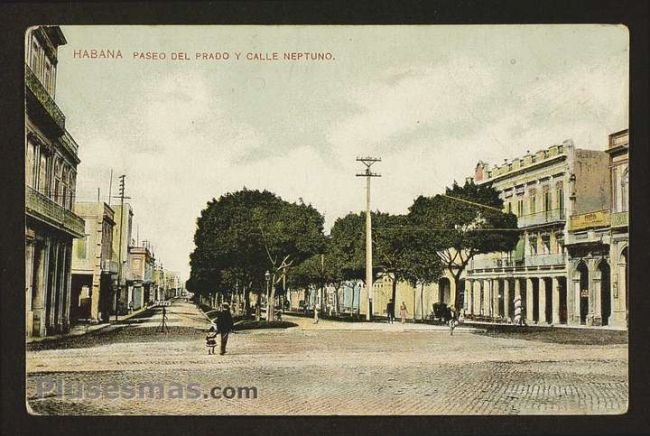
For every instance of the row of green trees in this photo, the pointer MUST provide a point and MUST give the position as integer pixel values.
(244, 234)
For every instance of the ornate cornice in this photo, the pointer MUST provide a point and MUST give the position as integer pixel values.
(45, 147)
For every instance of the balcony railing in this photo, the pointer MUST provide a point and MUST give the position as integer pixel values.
(619, 219)
(45, 209)
(544, 260)
(491, 263)
(35, 86)
(111, 266)
(543, 217)
(541, 260)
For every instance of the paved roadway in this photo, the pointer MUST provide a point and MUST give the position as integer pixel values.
(326, 368)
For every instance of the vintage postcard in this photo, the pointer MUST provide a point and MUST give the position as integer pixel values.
(326, 220)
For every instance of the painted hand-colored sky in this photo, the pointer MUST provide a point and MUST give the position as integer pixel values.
(429, 100)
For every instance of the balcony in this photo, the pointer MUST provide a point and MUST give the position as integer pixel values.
(599, 218)
(540, 218)
(619, 219)
(45, 209)
(544, 260)
(491, 263)
(110, 266)
(45, 105)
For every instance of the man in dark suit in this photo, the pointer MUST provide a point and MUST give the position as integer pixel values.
(224, 326)
(390, 311)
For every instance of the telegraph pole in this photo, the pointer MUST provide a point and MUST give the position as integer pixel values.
(368, 161)
(119, 255)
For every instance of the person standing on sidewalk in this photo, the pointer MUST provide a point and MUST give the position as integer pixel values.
(210, 340)
(452, 320)
(224, 326)
(390, 311)
(403, 312)
(316, 310)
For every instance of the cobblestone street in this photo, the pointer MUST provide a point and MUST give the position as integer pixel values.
(329, 368)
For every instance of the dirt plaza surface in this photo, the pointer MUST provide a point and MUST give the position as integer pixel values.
(329, 368)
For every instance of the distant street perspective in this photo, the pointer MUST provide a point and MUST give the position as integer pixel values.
(297, 222)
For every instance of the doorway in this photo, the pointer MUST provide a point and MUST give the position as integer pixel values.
(605, 292)
(584, 291)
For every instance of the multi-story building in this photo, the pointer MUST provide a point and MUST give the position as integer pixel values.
(172, 284)
(122, 240)
(597, 248)
(618, 149)
(542, 189)
(94, 271)
(158, 283)
(50, 184)
(140, 276)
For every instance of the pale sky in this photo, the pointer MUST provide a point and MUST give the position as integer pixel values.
(429, 100)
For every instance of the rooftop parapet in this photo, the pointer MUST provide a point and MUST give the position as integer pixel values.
(483, 171)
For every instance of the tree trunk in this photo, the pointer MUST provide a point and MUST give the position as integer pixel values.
(321, 298)
(422, 300)
(336, 300)
(457, 303)
(246, 293)
(394, 293)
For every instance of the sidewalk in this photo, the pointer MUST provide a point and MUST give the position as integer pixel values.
(542, 326)
(82, 329)
(305, 323)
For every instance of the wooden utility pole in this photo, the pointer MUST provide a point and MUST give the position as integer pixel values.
(119, 255)
(368, 161)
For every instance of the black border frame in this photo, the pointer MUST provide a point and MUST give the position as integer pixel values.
(16, 17)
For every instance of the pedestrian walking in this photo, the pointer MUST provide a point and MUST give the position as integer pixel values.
(390, 311)
(258, 311)
(316, 310)
(224, 326)
(403, 312)
(452, 321)
(210, 340)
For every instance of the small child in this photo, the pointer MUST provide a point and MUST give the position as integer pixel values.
(210, 340)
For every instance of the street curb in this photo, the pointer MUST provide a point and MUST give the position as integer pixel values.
(38, 340)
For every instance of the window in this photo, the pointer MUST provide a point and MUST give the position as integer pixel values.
(531, 202)
(42, 174)
(546, 244)
(48, 76)
(509, 207)
(64, 187)
(58, 188)
(547, 200)
(520, 207)
(30, 164)
(33, 60)
(532, 244)
(625, 180)
(81, 244)
(532, 205)
(559, 194)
